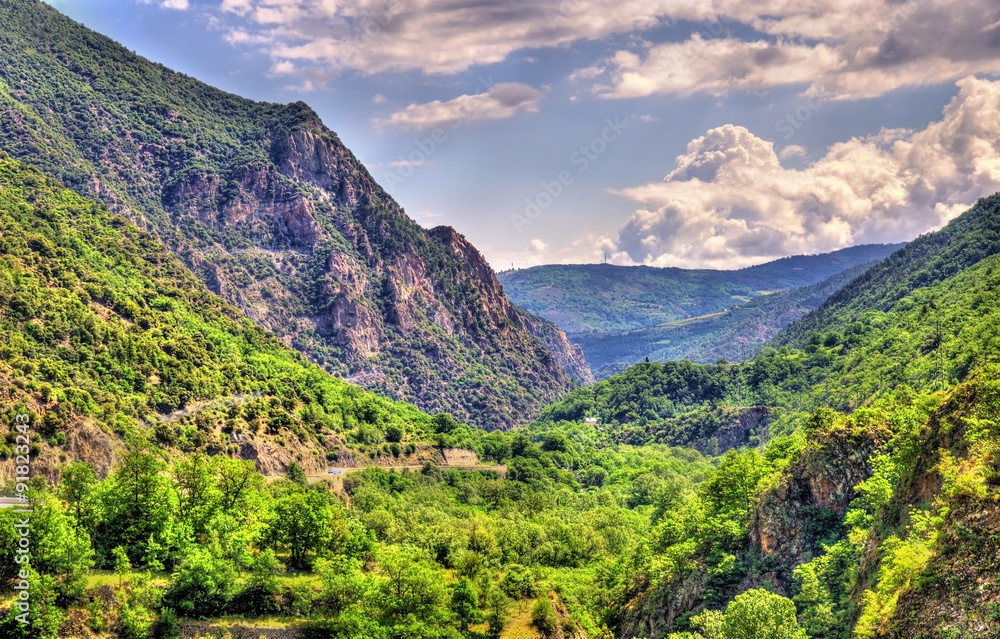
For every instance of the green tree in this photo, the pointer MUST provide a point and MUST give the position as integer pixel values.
(410, 586)
(465, 604)
(121, 562)
(138, 507)
(497, 613)
(201, 586)
(76, 487)
(238, 481)
(58, 549)
(759, 614)
(198, 497)
(302, 524)
(297, 475)
(345, 586)
(543, 618)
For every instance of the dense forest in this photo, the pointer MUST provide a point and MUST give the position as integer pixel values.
(820, 489)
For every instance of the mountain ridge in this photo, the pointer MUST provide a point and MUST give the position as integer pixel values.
(272, 212)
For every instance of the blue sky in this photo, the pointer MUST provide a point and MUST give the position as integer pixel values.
(675, 133)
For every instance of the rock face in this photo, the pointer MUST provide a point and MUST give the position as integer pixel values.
(788, 527)
(789, 523)
(278, 217)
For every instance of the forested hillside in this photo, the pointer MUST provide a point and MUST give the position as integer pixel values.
(106, 337)
(274, 214)
(884, 522)
(734, 334)
(844, 489)
(603, 298)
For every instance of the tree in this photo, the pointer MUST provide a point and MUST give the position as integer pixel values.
(302, 524)
(497, 613)
(198, 496)
(344, 584)
(122, 565)
(759, 614)
(465, 604)
(58, 549)
(201, 586)
(138, 506)
(237, 479)
(411, 586)
(76, 488)
(297, 475)
(543, 618)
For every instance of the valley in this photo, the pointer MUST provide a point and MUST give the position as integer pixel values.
(246, 395)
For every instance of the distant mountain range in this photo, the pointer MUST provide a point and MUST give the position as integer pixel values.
(620, 315)
(270, 210)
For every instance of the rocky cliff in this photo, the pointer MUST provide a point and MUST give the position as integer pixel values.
(276, 215)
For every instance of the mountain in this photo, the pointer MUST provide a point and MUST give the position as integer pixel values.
(271, 211)
(867, 485)
(106, 337)
(927, 260)
(733, 334)
(924, 317)
(604, 298)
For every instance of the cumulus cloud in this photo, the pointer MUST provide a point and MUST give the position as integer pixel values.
(717, 66)
(180, 5)
(501, 101)
(843, 50)
(729, 202)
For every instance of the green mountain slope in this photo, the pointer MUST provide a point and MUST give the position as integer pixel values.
(872, 500)
(105, 335)
(733, 334)
(274, 214)
(931, 258)
(608, 299)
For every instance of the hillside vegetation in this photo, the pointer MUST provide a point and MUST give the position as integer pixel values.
(884, 522)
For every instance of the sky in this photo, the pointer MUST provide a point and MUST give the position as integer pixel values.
(691, 133)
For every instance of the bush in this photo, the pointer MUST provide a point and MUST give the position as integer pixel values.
(202, 586)
(543, 618)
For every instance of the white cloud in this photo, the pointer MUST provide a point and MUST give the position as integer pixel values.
(180, 5)
(792, 151)
(281, 68)
(501, 101)
(434, 36)
(729, 202)
(717, 66)
(843, 50)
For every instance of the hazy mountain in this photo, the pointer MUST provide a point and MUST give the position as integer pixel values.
(733, 334)
(608, 299)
